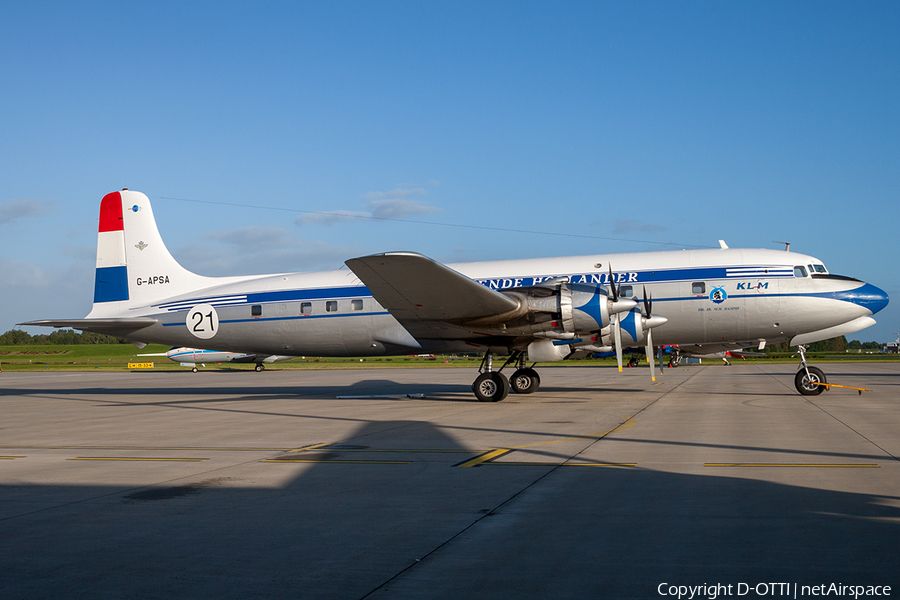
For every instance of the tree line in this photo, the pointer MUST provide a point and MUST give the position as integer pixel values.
(837, 344)
(67, 337)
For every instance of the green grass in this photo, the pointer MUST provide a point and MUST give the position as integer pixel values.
(115, 357)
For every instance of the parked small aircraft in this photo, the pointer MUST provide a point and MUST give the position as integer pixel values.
(534, 310)
(191, 357)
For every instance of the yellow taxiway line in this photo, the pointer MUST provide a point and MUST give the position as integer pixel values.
(486, 458)
(796, 465)
(327, 461)
(138, 459)
(483, 458)
(566, 464)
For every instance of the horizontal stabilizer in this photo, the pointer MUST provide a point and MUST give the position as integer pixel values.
(413, 287)
(116, 327)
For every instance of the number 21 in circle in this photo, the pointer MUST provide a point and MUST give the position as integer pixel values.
(203, 321)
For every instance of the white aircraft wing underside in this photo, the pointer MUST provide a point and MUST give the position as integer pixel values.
(115, 326)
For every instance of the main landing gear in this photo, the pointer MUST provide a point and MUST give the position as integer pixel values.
(808, 378)
(260, 367)
(493, 386)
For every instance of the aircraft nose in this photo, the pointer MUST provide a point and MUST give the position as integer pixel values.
(868, 296)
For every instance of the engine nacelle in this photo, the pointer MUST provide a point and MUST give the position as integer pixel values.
(573, 308)
(590, 308)
(561, 311)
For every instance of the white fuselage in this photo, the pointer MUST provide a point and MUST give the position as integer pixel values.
(708, 296)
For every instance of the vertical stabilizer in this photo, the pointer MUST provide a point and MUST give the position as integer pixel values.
(134, 267)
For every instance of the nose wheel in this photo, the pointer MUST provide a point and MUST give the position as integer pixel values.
(808, 378)
(807, 381)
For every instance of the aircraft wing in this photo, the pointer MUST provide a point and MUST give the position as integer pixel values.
(116, 327)
(413, 287)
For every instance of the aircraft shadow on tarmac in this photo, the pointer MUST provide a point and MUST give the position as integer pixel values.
(363, 389)
(429, 529)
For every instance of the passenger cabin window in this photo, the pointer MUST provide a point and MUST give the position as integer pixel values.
(256, 310)
(356, 304)
(800, 271)
(698, 287)
(626, 291)
(331, 306)
(305, 308)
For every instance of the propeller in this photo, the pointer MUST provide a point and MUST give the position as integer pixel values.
(649, 322)
(648, 302)
(614, 318)
(616, 306)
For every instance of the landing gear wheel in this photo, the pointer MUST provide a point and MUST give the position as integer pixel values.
(260, 367)
(525, 381)
(806, 385)
(194, 370)
(674, 363)
(491, 387)
(634, 362)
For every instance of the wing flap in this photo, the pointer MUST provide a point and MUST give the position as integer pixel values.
(413, 287)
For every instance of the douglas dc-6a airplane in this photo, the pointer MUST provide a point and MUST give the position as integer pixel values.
(538, 310)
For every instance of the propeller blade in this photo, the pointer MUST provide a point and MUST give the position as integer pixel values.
(650, 354)
(613, 286)
(648, 303)
(617, 332)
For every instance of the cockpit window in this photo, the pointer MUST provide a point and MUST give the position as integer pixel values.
(800, 271)
(820, 268)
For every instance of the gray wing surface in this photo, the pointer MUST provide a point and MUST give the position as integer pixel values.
(419, 291)
(116, 327)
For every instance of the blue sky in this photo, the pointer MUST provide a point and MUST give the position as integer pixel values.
(627, 126)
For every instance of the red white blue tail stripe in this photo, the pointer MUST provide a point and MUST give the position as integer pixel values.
(111, 279)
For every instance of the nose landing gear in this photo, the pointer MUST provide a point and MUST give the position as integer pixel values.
(808, 379)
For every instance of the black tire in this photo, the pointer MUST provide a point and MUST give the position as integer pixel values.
(194, 370)
(634, 362)
(260, 367)
(491, 387)
(806, 386)
(525, 381)
(674, 363)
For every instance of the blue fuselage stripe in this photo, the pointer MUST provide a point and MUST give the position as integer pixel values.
(294, 318)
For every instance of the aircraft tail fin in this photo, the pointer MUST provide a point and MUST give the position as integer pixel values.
(134, 267)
